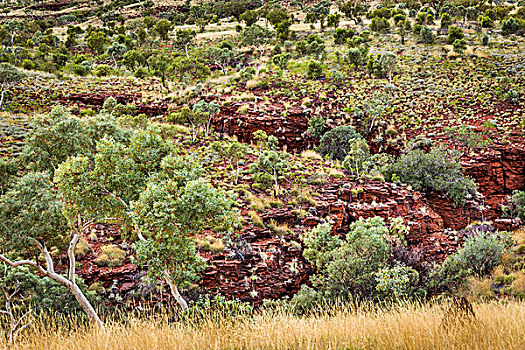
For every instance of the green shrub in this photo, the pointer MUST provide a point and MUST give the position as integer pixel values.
(460, 46)
(396, 282)
(486, 22)
(316, 126)
(382, 64)
(482, 252)
(454, 33)
(111, 256)
(342, 35)
(336, 142)
(307, 300)
(517, 205)
(512, 26)
(102, 70)
(347, 268)
(315, 70)
(140, 73)
(380, 25)
(438, 170)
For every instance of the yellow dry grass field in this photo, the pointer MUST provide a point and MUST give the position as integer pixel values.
(498, 325)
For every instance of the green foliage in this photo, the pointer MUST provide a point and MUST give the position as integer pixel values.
(357, 160)
(255, 35)
(159, 65)
(184, 38)
(281, 60)
(380, 25)
(516, 209)
(162, 28)
(460, 46)
(56, 136)
(276, 16)
(132, 59)
(336, 77)
(315, 70)
(318, 12)
(186, 69)
(446, 20)
(353, 9)
(454, 33)
(158, 194)
(355, 57)
(96, 42)
(42, 295)
(250, 17)
(403, 28)
(486, 22)
(512, 26)
(31, 212)
(313, 45)
(221, 57)
(380, 12)
(382, 64)
(336, 142)
(347, 268)
(333, 20)
(438, 170)
(481, 253)
(8, 171)
(194, 119)
(341, 35)
(169, 214)
(396, 282)
(102, 70)
(270, 165)
(426, 35)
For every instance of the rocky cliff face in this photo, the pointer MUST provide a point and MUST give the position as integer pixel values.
(499, 171)
(262, 265)
(289, 126)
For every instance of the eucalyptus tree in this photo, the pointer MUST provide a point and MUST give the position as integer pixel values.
(183, 39)
(222, 57)
(161, 197)
(33, 220)
(232, 152)
(353, 9)
(81, 172)
(9, 76)
(32, 223)
(211, 108)
(256, 36)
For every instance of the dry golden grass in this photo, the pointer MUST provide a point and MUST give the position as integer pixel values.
(311, 154)
(497, 326)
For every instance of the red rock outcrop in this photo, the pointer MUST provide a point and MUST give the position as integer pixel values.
(289, 126)
(499, 171)
(275, 270)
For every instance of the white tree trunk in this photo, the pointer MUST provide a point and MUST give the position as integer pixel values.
(68, 282)
(79, 296)
(175, 292)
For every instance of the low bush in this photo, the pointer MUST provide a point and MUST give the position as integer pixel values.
(438, 170)
(111, 256)
(336, 142)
